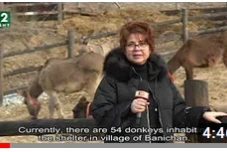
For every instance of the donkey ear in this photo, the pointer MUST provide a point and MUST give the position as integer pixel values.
(21, 92)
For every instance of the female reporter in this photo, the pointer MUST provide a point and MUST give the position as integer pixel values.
(115, 106)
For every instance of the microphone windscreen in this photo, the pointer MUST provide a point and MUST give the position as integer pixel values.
(144, 86)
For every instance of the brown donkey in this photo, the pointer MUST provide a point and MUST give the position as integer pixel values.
(200, 53)
(63, 75)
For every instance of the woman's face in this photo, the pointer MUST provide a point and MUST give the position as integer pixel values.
(137, 50)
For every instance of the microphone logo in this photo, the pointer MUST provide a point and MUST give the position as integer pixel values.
(142, 94)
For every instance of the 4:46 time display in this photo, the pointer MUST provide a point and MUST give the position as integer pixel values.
(221, 132)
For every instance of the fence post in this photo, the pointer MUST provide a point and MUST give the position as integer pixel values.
(185, 24)
(177, 5)
(118, 5)
(60, 13)
(1, 76)
(196, 94)
(71, 41)
(2, 6)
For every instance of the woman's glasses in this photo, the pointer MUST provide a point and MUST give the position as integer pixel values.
(132, 46)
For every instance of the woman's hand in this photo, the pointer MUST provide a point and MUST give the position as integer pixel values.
(139, 105)
(212, 116)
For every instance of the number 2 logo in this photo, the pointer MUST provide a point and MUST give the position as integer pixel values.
(4, 17)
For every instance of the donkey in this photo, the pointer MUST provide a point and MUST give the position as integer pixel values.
(199, 53)
(76, 74)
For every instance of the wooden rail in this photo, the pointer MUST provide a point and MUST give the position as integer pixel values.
(15, 89)
(209, 31)
(34, 49)
(22, 70)
(208, 16)
(202, 10)
(31, 10)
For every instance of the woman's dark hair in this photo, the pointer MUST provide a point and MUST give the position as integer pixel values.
(137, 27)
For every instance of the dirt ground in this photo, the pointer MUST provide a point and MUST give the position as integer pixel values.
(24, 35)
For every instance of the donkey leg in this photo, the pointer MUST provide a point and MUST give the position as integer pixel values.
(92, 86)
(58, 107)
(188, 71)
(189, 74)
(51, 107)
(51, 104)
(90, 93)
(224, 58)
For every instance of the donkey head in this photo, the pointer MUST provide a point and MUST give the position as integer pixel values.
(82, 109)
(32, 104)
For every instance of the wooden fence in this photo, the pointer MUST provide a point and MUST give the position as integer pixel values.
(55, 11)
(70, 41)
(41, 11)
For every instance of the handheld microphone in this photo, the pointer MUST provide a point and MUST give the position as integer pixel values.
(142, 92)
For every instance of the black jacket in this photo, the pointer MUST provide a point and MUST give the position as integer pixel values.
(115, 93)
